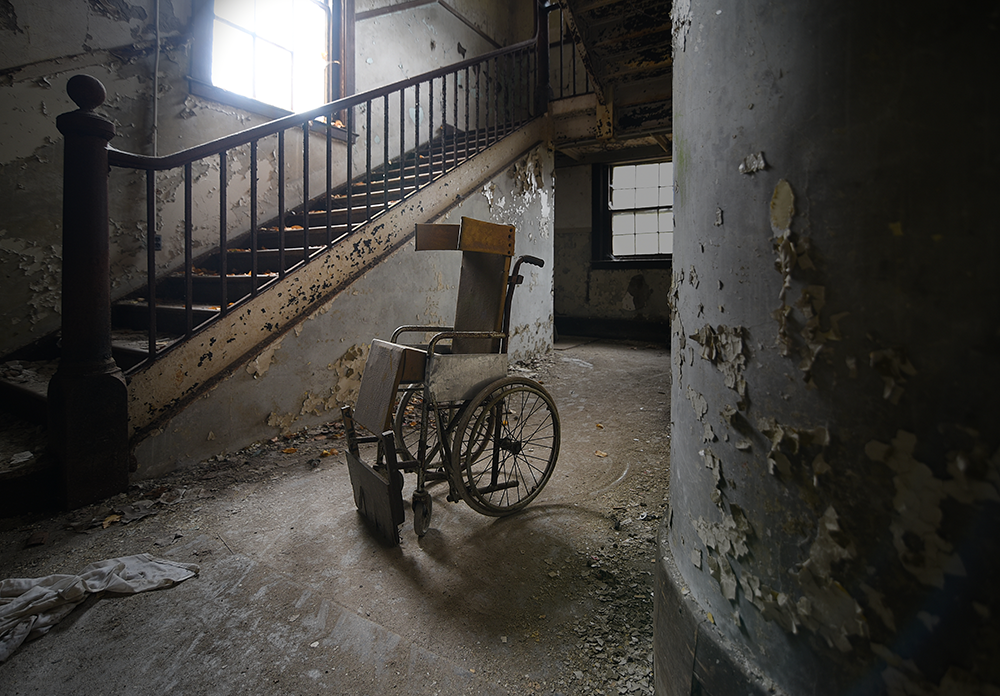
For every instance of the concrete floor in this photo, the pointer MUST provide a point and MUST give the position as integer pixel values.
(295, 596)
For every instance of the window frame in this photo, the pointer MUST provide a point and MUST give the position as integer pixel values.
(340, 84)
(602, 257)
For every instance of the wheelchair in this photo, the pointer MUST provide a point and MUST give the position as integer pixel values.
(447, 411)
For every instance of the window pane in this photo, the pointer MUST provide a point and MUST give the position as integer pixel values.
(646, 222)
(667, 195)
(275, 22)
(647, 243)
(623, 223)
(239, 12)
(273, 75)
(230, 48)
(666, 221)
(666, 173)
(666, 242)
(647, 176)
(309, 88)
(622, 198)
(623, 246)
(623, 176)
(647, 198)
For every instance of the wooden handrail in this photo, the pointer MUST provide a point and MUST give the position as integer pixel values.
(120, 158)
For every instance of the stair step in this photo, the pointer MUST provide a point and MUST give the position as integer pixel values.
(24, 386)
(206, 289)
(170, 317)
(238, 261)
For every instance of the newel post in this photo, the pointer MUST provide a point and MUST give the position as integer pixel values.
(88, 398)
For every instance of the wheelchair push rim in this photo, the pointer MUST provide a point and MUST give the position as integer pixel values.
(505, 447)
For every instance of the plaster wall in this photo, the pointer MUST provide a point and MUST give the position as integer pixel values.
(302, 378)
(835, 471)
(585, 292)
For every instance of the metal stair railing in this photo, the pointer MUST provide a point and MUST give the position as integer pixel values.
(403, 136)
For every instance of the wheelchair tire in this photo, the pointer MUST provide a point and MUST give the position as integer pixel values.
(506, 445)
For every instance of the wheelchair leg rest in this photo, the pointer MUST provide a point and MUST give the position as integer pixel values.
(378, 498)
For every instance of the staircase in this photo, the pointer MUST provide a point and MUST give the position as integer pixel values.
(307, 251)
(254, 260)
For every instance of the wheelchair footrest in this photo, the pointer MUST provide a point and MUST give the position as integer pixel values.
(379, 499)
(498, 487)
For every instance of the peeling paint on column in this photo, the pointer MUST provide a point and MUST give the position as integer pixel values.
(724, 348)
(787, 440)
(697, 402)
(893, 367)
(918, 513)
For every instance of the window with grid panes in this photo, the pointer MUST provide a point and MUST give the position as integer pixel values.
(641, 203)
(277, 52)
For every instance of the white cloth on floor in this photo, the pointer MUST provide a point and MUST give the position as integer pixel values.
(29, 607)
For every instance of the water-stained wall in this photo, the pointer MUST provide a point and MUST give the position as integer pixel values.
(835, 469)
(583, 292)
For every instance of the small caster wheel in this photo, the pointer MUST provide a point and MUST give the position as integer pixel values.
(422, 505)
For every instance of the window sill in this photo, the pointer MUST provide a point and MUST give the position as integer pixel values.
(609, 264)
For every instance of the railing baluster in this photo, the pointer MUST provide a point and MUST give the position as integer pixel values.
(305, 192)
(253, 218)
(281, 204)
(223, 223)
(454, 138)
(430, 130)
(188, 270)
(385, 152)
(444, 124)
(350, 162)
(151, 261)
(368, 160)
(466, 113)
(416, 138)
(402, 143)
(329, 176)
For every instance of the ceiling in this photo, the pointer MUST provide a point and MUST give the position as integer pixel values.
(627, 52)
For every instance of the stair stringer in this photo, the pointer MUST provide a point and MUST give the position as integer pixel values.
(159, 392)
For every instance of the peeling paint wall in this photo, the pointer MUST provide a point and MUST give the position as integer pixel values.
(835, 467)
(584, 292)
(42, 45)
(303, 378)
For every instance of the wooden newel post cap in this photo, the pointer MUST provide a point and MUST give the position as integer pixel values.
(86, 91)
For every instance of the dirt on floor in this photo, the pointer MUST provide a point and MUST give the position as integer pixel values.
(555, 599)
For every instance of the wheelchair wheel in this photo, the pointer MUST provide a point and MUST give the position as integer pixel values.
(406, 425)
(506, 445)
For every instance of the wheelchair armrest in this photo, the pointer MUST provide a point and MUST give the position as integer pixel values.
(415, 328)
(444, 335)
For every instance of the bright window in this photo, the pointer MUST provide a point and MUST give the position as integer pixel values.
(274, 51)
(640, 206)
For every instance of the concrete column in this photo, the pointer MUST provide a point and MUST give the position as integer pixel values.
(835, 517)
(88, 398)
